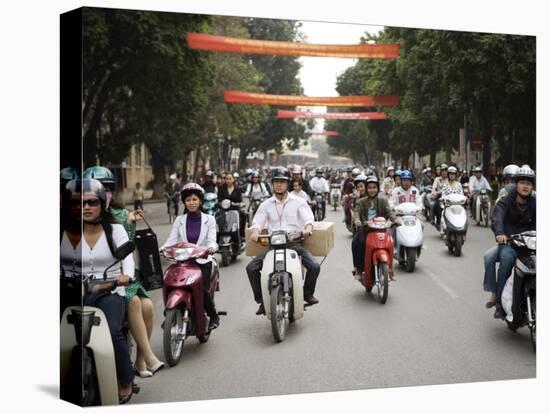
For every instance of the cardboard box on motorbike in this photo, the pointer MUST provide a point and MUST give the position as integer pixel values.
(320, 243)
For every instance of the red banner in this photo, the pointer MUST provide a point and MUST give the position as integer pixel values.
(332, 115)
(290, 100)
(325, 133)
(213, 43)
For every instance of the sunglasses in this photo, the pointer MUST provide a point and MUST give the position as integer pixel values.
(92, 202)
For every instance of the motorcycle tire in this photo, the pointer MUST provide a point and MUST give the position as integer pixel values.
(225, 258)
(411, 259)
(172, 347)
(279, 324)
(458, 245)
(486, 218)
(533, 327)
(382, 284)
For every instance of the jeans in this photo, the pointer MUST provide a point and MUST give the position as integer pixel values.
(490, 259)
(313, 269)
(114, 306)
(358, 250)
(507, 257)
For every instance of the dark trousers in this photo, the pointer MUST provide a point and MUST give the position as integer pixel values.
(138, 204)
(209, 305)
(358, 250)
(313, 269)
(113, 306)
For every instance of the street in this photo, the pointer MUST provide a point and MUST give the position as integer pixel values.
(434, 329)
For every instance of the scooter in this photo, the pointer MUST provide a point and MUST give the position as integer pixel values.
(228, 225)
(256, 198)
(454, 222)
(88, 369)
(347, 202)
(428, 202)
(335, 195)
(378, 256)
(183, 298)
(467, 194)
(409, 237)
(519, 296)
(319, 206)
(209, 204)
(482, 208)
(282, 279)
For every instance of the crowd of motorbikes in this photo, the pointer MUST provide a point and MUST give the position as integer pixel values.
(85, 334)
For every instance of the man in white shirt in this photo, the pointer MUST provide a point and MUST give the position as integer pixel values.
(319, 184)
(406, 192)
(477, 183)
(283, 211)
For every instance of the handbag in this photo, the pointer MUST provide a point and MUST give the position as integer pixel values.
(149, 265)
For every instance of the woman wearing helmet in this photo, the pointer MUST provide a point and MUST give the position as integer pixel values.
(389, 182)
(360, 183)
(438, 184)
(256, 186)
(368, 207)
(138, 301)
(513, 214)
(90, 252)
(200, 229)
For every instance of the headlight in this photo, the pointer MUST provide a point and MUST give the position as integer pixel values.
(530, 242)
(226, 204)
(278, 239)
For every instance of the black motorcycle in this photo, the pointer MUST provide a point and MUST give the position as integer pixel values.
(228, 225)
(524, 296)
(319, 206)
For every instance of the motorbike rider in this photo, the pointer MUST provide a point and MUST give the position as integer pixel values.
(360, 183)
(200, 229)
(209, 184)
(452, 186)
(319, 184)
(513, 214)
(438, 184)
(298, 190)
(389, 181)
(427, 179)
(256, 186)
(89, 250)
(297, 173)
(367, 208)
(172, 193)
(230, 191)
(283, 211)
(138, 301)
(509, 185)
(347, 184)
(477, 183)
(406, 192)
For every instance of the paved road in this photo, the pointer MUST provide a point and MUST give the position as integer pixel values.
(433, 329)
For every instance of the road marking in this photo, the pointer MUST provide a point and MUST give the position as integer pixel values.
(441, 284)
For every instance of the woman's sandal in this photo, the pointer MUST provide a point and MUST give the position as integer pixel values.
(123, 399)
(489, 304)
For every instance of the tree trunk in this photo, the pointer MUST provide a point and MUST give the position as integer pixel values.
(159, 172)
(487, 128)
(242, 157)
(196, 166)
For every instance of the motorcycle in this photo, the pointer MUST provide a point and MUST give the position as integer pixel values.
(454, 222)
(173, 206)
(428, 202)
(409, 236)
(183, 298)
(522, 285)
(256, 198)
(467, 194)
(335, 195)
(209, 204)
(482, 208)
(347, 202)
(227, 229)
(282, 279)
(319, 206)
(378, 256)
(88, 369)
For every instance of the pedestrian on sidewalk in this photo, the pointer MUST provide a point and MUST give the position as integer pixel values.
(138, 197)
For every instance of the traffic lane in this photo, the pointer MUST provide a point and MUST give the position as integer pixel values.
(348, 341)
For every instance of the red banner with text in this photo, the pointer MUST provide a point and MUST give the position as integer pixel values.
(332, 115)
(201, 41)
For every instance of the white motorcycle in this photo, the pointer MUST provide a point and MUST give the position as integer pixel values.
(454, 222)
(282, 279)
(483, 208)
(409, 237)
(334, 195)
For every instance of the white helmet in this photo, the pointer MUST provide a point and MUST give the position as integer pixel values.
(525, 173)
(355, 172)
(173, 176)
(451, 170)
(509, 171)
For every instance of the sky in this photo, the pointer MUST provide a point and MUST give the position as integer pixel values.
(318, 74)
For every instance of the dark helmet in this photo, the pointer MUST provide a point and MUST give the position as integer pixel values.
(68, 174)
(209, 173)
(192, 188)
(280, 173)
(319, 170)
(101, 174)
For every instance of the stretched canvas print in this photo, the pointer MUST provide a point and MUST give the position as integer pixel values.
(254, 206)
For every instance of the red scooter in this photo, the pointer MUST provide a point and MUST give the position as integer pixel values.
(378, 257)
(183, 298)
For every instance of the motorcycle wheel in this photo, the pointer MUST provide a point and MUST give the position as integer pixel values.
(173, 347)
(225, 258)
(485, 218)
(279, 324)
(458, 245)
(533, 327)
(411, 259)
(382, 282)
(172, 214)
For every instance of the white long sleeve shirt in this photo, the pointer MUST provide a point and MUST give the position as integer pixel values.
(319, 185)
(92, 261)
(399, 195)
(291, 215)
(476, 185)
